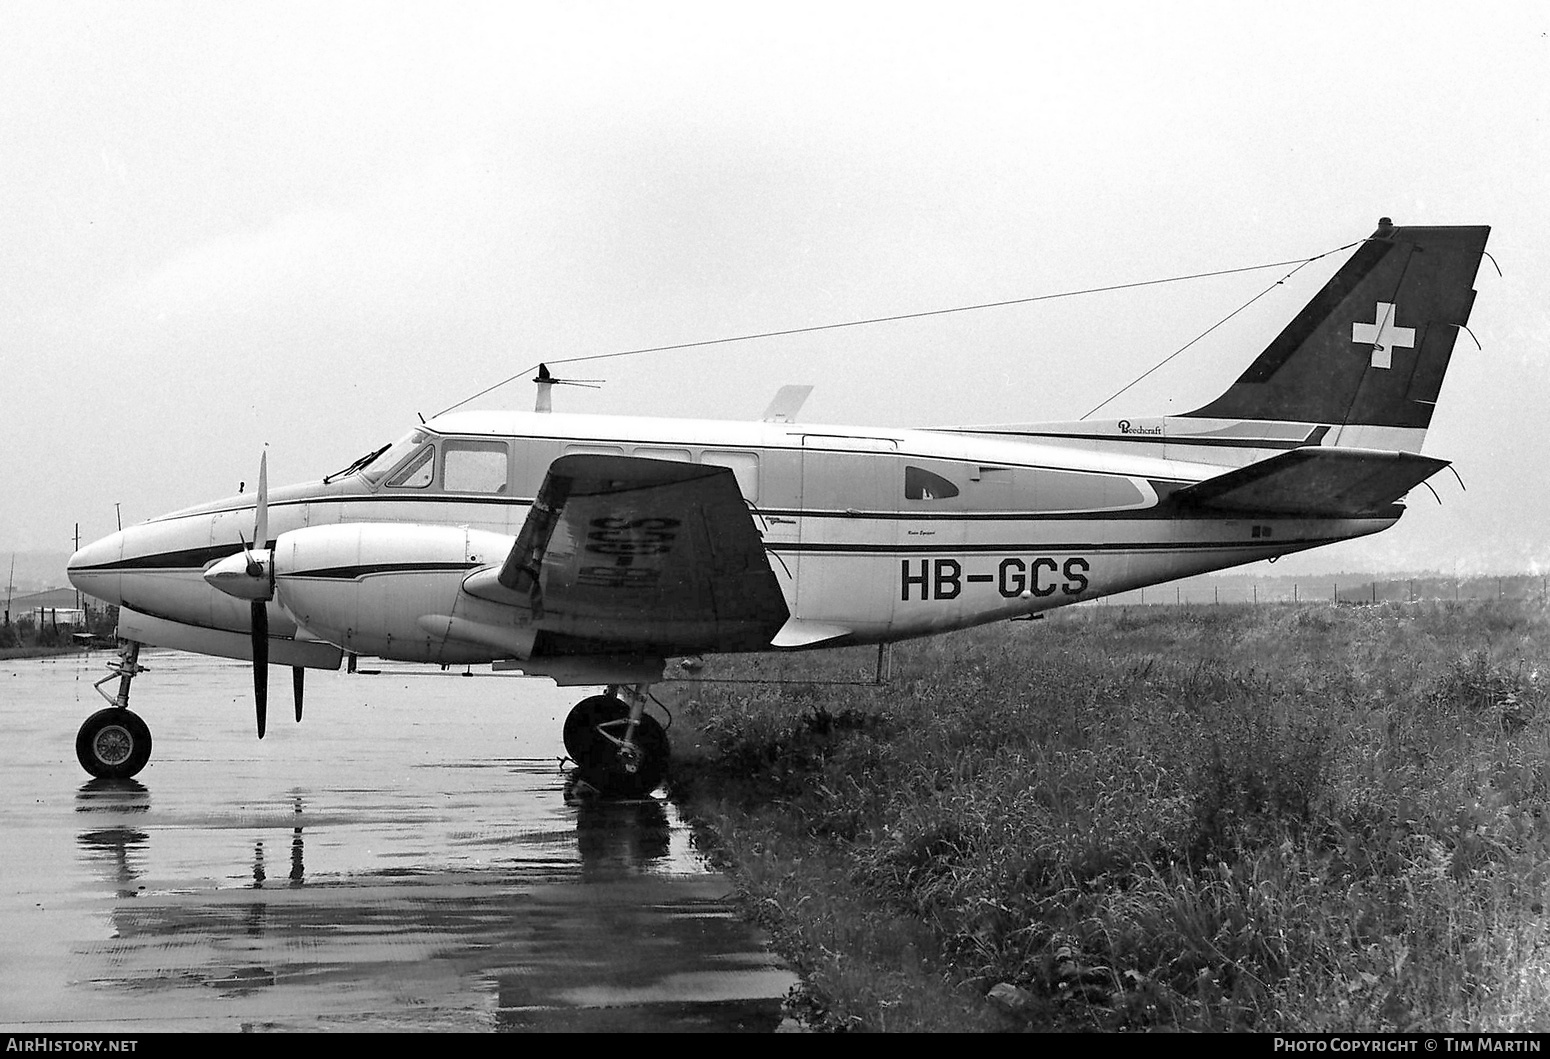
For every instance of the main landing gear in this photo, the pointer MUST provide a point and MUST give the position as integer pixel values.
(114, 744)
(618, 748)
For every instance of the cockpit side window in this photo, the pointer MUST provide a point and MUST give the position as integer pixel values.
(417, 472)
(475, 466)
(921, 484)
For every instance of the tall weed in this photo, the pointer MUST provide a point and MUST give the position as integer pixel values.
(1288, 816)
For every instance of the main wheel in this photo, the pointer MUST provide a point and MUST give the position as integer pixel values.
(113, 744)
(601, 763)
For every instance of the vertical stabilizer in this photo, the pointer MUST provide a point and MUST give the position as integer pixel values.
(1372, 346)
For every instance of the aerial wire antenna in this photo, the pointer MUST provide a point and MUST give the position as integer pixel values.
(1300, 266)
(1299, 262)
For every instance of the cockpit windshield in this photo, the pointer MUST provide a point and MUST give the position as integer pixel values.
(387, 458)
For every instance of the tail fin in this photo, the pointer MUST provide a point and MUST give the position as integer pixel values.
(1371, 348)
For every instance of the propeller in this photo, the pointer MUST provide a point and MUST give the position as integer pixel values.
(250, 575)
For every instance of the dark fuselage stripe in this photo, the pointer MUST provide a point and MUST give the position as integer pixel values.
(351, 573)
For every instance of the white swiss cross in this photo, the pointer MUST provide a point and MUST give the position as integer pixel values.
(1383, 336)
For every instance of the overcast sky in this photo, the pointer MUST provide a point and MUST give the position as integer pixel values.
(226, 226)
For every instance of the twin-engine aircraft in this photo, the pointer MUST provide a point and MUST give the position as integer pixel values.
(592, 549)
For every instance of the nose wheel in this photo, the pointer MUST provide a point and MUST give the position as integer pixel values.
(618, 748)
(113, 744)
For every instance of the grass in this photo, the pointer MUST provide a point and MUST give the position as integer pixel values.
(37, 651)
(1285, 817)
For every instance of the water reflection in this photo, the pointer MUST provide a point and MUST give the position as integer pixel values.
(121, 849)
(611, 836)
(432, 877)
(298, 871)
(118, 796)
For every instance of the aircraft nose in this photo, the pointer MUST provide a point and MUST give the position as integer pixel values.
(95, 568)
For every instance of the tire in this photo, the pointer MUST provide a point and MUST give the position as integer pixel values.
(113, 744)
(598, 761)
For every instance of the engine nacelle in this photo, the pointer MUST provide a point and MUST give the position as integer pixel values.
(378, 588)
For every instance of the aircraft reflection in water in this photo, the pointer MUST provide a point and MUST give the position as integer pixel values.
(592, 549)
(122, 847)
(298, 872)
(615, 835)
(624, 939)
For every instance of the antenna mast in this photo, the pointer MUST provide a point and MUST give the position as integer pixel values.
(547, 382)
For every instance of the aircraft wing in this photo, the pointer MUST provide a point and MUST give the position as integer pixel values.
(623, 553)
(1321, 482)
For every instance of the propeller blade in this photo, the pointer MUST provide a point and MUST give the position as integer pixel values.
(298, 678)
(261, 508)
(260, 661)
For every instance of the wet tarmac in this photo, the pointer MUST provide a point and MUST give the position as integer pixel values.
(404, 859)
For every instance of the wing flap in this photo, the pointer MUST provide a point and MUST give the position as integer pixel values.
(1316, 482)
(643, 555)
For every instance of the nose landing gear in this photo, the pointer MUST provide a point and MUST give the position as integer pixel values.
(115, 744)
(618, 748)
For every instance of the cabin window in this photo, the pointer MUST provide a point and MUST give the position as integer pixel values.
(417, 472)
(744, 465)
(921, 484)
(474, 466)
(593, 450)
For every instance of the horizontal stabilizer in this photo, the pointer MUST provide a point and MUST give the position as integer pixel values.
(1316, 482)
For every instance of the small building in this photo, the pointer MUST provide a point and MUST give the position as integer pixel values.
(64, 617)
(56, 606)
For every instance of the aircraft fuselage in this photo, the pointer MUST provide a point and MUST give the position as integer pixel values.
(874, 535)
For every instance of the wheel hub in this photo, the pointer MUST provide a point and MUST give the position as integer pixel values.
(113, 745)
